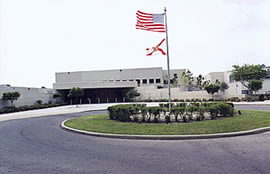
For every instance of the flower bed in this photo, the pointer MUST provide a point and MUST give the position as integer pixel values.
(180, 112)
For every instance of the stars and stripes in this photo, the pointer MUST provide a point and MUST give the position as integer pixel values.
(150, 22)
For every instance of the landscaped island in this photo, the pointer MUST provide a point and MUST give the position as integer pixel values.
(248, 120)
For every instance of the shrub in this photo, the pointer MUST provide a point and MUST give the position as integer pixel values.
(39, 102)
(166, 105)
(167, 119)
(11, 109)
(185, 118)
(178, 111)
(250, 98)
(213, 110)
(261, 97)
(234, 99)
(225, 109)
(175, 100)
(187, 100)
(155, 111)
(181, 104)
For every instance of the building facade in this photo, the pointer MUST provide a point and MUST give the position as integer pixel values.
(29, 96)
(112, 85)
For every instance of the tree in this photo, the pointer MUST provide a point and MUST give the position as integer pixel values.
(212, 88)
(56, 96)
(11, 96)
(199, 82)
(187, 79)
(174, 80)
(247, 73)
(75, 93)
(133, 94)
(255, 85)
(223, 86)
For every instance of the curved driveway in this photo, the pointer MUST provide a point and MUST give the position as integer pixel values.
(39, 145)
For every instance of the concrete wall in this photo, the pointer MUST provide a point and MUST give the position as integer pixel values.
(29, 96)
(213, 76)
(176, 93)
(148, 75)
(266, 86)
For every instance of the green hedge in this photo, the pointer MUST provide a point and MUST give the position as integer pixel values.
(183, 111)
(11, 109)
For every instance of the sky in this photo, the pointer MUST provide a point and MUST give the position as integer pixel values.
(41, 37)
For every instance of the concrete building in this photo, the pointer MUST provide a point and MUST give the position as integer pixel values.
(236, 88)
(112, 85)
(29, 96)
(109, 86)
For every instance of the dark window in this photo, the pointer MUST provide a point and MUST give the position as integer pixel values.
(144, 81)
(138, 81)
(157, 80)
(151, 80)
(231, 79)
(131, 80)
(244, 91)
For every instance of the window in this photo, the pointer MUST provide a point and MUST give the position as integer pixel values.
(244, 91)
(138, 81)
(144, 81)
(157, 80)
(124, 80)
(117, 80)
(231, 79)
(131, 80)
(151, 81)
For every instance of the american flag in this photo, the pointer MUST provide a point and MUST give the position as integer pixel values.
(150, 22)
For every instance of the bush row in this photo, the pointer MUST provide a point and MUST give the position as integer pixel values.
(179, 112)
(248, 98)
(11, 109)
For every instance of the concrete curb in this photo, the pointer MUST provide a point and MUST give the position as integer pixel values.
(166, 137)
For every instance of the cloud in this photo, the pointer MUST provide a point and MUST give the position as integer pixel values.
(246, 2)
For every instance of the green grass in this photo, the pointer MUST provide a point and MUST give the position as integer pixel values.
(101, 123)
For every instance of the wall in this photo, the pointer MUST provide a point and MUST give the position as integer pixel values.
(29, 96)
(176, 93)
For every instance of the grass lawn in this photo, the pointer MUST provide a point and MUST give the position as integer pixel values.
(101, 123)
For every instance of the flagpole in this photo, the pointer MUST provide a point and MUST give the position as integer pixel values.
(168, 60)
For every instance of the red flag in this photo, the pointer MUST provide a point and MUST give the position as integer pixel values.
(150, 22)
(151, 51)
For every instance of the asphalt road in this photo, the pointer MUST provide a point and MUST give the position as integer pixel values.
(253, 107)
(39, 145)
